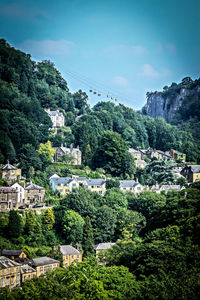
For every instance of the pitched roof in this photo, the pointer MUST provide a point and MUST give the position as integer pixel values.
(41, 261)
(131, 150)
(7, 263)
(170, 187)
(95, 181)
(195, 168)
(62, 180)
(68, 250)
(127, 183)
(11, 252)
(32, 186)
(104, 246)
(67, 150)
(54, 113)
(8, 166)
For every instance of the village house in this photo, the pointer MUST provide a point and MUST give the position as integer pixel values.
(135, 153)
(27, 272)
(10, 173)
(69, 255)
(64, 185)
(176, 155)
(56, 117)
(8, 198)
(102, 247)
(20, 194)
(95, 185)
(191, 173)
(130, 186)
(14, 254)
(44, 264)
(75, 153)
(34, 193)
(10, 273)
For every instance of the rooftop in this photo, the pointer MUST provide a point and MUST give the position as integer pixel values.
(8, 189)
(195, 168)
(68, 250)
(127, 183)
(32, 186)
(41, 261)
(27, 269)
(7, 263)
(62, 180)
(12, 252)
(95, 181)
(103, 246)
(8, 166)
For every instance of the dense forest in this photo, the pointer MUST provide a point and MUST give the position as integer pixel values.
(27, 87)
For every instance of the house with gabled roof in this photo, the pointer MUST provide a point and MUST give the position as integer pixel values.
(103, 246)
(56, 117)
(130, 186)
(95, 185)
(191, 173)
(34, 193)
(14, 254)
(27, 272)
(8, 198)
(69, 254)
(64, 185)
(75, 153)
(10, 173)
(10, 273)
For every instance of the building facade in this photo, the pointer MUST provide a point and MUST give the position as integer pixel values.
(10, 273)
(10, 173)
(8, 198)
(44, 264)
(56, 117)
(75, 153)
(64, 185)
(34, 194)
(191, 173)
(176, 155)
(69, 255)
(95, 185)
(20, 194)
(130, 186)
(27, 273)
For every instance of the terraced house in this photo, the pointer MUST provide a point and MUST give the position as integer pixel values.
(44, 264)
(10, 273)
(34, 193)
(8, 198)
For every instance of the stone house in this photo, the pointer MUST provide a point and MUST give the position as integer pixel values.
(14, 254)
(8, 198)
(102, 247)
(34, 193)
(191, 173)
(64, 185)
(27, 272)
(69, 255)
(10, 273)
(95, 185)
(168, 187)
(130, 186)
(56, 117)
(75, 153)
(20, 195)
(10, 173)
(44, 264)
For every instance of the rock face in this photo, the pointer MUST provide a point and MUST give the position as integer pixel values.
(159, 105)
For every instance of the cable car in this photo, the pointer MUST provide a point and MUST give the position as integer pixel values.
(91, 91)
(108, 96)
(94, 93)
(99, 94)
(112, 97)
(116, 99)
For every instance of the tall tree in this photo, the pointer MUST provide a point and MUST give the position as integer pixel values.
(88, 238)
(15, 225)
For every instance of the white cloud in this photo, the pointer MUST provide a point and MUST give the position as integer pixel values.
(171, 48)
(120, 81)
(150, 72)
(139, 50)
(48, 47)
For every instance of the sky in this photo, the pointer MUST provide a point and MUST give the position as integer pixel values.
(117, 48)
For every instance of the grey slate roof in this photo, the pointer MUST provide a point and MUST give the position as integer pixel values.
(12, 252)
(103, 246)
(195, 168)
(8, 189)
(67, 150)
(95, 181)
(127, 183)
(62, 180)
(33, 186)
(131, 150)
(7, 263)
(8, 167)
(44, 260)
(68, 250)
(54, 113)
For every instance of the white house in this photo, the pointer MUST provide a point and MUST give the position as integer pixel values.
(56, 117)
(20, 192)
(130, 186)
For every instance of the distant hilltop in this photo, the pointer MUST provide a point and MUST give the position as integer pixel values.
(179, 101)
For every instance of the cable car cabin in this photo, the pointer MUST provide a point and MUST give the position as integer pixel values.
(94, 93)
(99, 94)
(112, 97)
(116, 99)
(91, 91)
(108, 96)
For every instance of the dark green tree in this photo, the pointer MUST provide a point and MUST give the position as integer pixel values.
(88, 238)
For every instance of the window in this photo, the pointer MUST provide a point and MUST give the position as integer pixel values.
(2, 282)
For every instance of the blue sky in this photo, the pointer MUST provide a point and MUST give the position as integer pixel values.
(124, 48)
